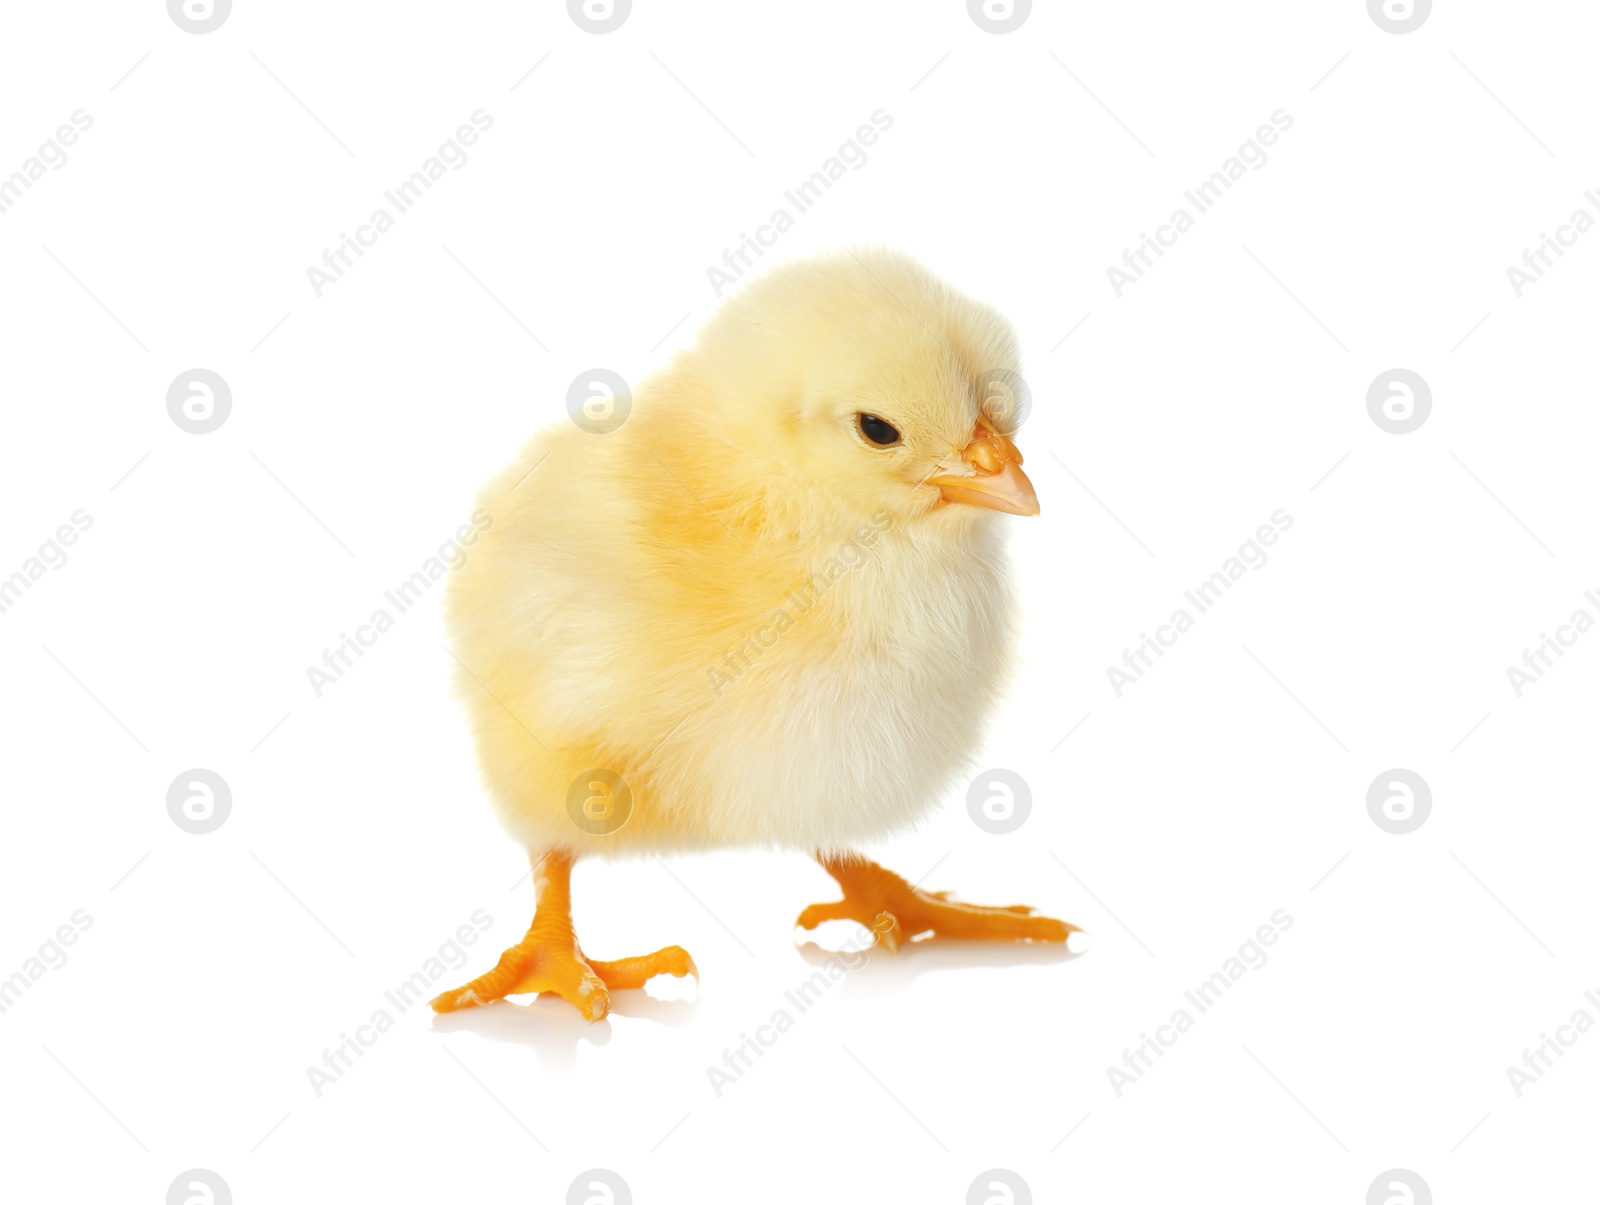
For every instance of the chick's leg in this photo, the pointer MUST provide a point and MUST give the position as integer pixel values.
(548, 958)
(896, 911)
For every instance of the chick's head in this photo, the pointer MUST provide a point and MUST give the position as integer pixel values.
(863, 377)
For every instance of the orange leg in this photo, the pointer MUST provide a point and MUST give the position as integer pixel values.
(548, 958)
(895, 910)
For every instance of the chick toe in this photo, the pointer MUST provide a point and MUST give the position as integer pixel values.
(639, 970)
(896, 911)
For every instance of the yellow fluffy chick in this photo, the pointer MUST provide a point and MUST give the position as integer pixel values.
(771, 608)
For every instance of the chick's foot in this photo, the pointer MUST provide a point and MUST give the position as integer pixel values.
(548, 958)
(897, 912)
(537, 963)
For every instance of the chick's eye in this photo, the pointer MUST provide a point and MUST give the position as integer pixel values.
(878, 431)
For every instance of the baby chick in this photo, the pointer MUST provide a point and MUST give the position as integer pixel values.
(772, 608)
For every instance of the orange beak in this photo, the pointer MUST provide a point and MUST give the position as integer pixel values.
(993, 476)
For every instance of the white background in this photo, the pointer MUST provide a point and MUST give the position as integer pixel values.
(1228, 383)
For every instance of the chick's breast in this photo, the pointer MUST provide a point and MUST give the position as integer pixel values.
(808, 695)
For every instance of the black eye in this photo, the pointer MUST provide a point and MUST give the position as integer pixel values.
(878, 431)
